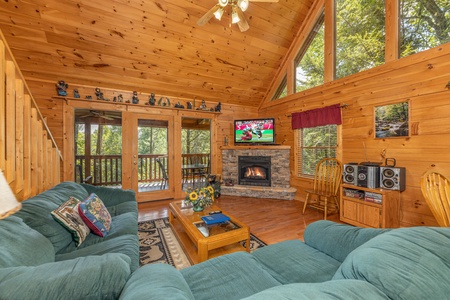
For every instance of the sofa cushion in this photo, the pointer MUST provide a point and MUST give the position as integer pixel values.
(111, 196)
(338, 240)
(236, 275)
(330, 290)
(22, 246)
(156, 281)
(92, 277)
(127, 244)
(67, 215)
(406, 263)
(95, 215)
(294, 261)
(35, 212)
(123, 224)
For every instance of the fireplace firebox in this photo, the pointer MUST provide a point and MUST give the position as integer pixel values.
(254, 170)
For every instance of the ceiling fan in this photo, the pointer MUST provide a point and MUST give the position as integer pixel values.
(237, 12)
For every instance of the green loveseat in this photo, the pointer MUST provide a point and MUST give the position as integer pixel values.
(40, 260)
(336, 261)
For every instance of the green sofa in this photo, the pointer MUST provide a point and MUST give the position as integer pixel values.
(336, 261)
(40, 260)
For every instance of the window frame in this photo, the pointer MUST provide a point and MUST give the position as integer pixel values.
(298, 150)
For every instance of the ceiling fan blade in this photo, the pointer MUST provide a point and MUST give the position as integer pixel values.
(242, 24)
(209, 14)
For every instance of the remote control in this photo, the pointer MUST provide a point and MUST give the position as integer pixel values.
(215, 212)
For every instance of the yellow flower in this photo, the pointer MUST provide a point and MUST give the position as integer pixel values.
(193, 196)
(210, 189)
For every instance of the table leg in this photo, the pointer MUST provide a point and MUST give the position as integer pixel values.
(202, 252)
(247, 244)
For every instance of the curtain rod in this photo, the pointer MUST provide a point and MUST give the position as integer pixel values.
(343, 105)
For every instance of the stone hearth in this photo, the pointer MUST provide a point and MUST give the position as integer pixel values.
(280, 157)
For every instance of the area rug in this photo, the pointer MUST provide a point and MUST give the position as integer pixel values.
(158, 244)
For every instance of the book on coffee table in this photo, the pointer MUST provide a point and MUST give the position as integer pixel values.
(215, 218)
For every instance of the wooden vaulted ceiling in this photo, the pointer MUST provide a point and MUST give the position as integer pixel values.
(152, 46)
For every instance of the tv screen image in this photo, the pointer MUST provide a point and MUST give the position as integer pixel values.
(254, 131)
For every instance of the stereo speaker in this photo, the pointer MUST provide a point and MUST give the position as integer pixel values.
(393, 178)
(368, 176)
(350, 174)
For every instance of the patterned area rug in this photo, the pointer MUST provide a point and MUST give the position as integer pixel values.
(158, 244)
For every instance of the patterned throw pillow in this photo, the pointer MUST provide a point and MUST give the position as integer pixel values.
(67, 215)
(95, 215)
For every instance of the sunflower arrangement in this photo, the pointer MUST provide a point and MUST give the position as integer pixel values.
(200, 197)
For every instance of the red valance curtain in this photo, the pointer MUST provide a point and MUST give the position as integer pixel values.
(317, 117)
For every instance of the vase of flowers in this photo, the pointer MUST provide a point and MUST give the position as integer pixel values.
(200, 197)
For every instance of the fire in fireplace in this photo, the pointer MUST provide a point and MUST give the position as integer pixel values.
(254, 170)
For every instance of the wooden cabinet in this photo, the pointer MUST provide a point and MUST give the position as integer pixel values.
(366, 207)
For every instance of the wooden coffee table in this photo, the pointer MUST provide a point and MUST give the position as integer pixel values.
(220, 239)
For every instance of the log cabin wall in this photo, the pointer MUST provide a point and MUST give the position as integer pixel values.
(29, 156)
(52, 107)
(422, 79)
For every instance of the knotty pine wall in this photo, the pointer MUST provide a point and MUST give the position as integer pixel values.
(52, 108)
(420, 79)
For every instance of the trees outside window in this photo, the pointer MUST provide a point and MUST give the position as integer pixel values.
(360, 35)
(424, 24)
(309, 63)
(314, 144)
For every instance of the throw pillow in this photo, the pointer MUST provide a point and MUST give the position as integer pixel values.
(95, 215)
(67, 215)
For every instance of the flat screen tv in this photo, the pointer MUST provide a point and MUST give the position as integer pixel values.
(254, 132)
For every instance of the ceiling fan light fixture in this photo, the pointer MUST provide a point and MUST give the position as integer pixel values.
(223, 3)
(234, 15)
(243, 4)
(218, 13)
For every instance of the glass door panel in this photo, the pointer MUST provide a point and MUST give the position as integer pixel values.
(98, 147)
(196, 151)
(153, 159)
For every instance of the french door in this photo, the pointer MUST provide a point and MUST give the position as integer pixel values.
(148, 155)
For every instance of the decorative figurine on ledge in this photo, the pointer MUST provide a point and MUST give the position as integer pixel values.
(99, 94)
(189, 105)
(89, 97)
(61, 88)
(218, 107)
(76, 94)
(152, 100)
(135, 98)
(164, 101)
(120, 98)
(202, 106)
(179, 105)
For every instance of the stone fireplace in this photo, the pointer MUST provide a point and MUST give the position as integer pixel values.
(257, 171)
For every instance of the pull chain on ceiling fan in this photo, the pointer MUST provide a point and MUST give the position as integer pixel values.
(237, 12)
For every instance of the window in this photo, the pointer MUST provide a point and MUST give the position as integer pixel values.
(282, 90)
(310, 59)
(360, 35)
(424, 24)
(313, 144)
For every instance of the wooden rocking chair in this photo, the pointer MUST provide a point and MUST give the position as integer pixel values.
(436, 190)
(327, 179)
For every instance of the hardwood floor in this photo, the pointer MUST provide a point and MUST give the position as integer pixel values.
(271, 220)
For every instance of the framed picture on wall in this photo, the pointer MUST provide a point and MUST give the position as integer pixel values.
(392, 120)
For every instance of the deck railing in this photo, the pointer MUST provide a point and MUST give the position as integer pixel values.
(107, 169)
